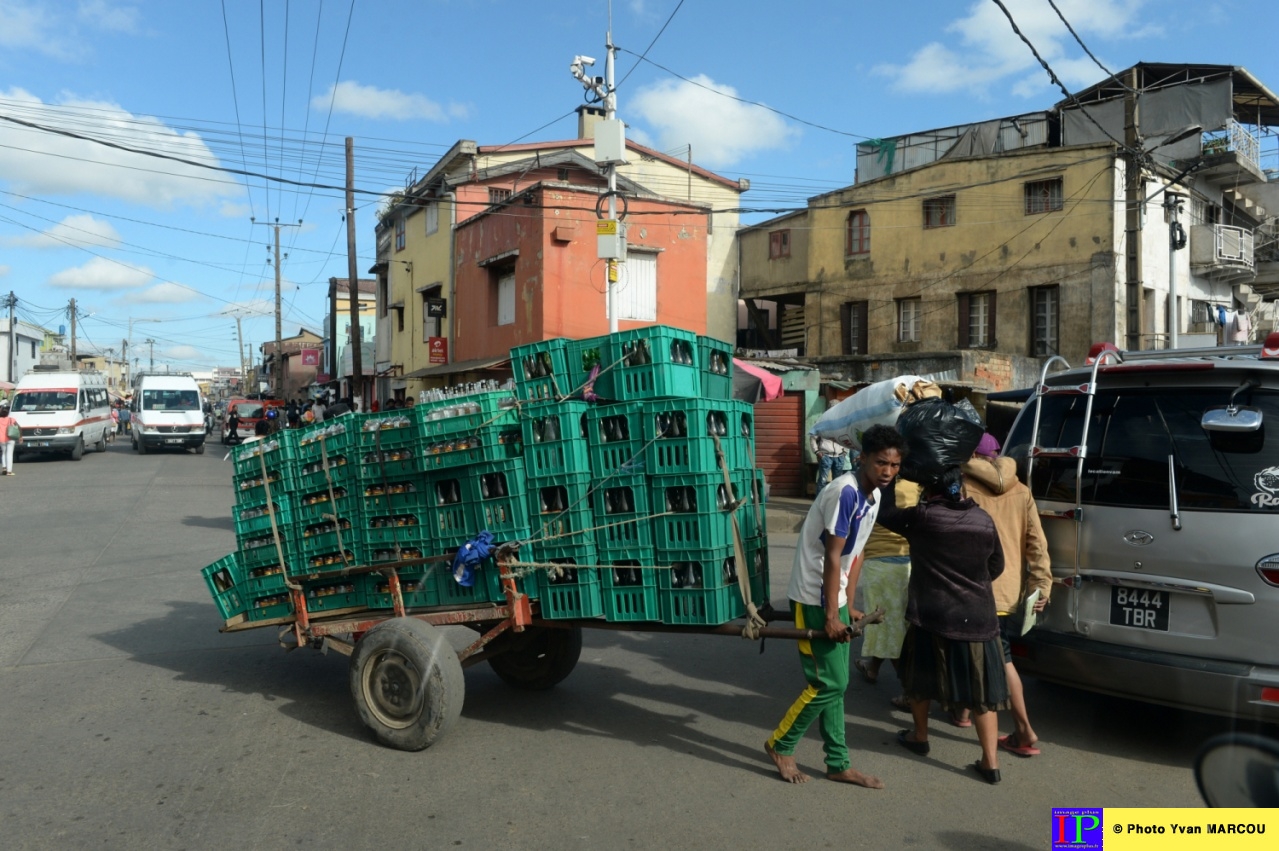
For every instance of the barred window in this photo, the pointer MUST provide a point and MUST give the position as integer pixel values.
(1043, 196)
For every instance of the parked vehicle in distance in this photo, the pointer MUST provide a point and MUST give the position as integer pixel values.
(167, 412)
(250, 412)
(1157, 479)
(61, 411)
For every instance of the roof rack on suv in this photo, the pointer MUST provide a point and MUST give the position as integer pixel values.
(1269, 349)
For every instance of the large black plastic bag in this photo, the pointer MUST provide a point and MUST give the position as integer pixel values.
(938, 435)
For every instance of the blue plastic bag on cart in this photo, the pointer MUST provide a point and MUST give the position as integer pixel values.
(469, 556)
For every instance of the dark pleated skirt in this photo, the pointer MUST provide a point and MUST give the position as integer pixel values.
(956, 674)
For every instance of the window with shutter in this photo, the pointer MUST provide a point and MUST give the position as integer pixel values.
(857, 240)
(909, 311)
(852, 316)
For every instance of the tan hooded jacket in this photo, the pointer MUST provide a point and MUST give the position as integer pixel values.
(994, 486)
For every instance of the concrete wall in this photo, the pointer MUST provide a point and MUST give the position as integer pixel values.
(559, 279)
(993, 246)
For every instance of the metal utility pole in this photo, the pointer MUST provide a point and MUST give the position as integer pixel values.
(610, 152)
(1134, 213)
(74, 364)
(352, 278)
(277, 366)
(12, 303)
(151, 360)
(244, 365)
(1176, 240)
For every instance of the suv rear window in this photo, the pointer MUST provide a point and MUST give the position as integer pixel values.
(1131, 434)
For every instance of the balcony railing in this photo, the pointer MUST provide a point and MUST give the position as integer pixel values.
(1222, 251)
(1233, 138)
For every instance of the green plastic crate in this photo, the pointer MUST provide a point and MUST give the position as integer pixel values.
(757, 567)
(630, 590)
(696, 502)
(699, 569)
(329, 437)
(312, 476)
(263, 581)
(541, 370)
(329, 560)
(417, 589)
(555, 438)
(620, 507)
(392, 528)
(262, 552)
(404, 493)
(560, 510)
(314, 506)
(250, 488)
(487, 445)
(390, 462)
(254, 520)
(279, 450)
(385, 430)
(269, 606)
(679, 436)
(453, 594)
(700, 607)
(402, 550)
(498, 494)
(654, 362)
(577, 594)
(465, 415)
(225, 578)
(752, 516)
(715, 359)
(349, 592)
(742, 418)
(581, 356)
(330, 535)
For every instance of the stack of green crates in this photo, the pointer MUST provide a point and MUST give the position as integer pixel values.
(264, 483)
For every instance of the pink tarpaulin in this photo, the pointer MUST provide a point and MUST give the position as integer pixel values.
(772, 384)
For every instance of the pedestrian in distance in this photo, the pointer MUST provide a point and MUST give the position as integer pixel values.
(319, 409)
(832, 459)
(10, 437)
(126, 418)
(823, 580)
(294, 414)
(992, 483)
(952, 652)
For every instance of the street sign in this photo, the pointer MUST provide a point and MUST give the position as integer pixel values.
(436, 308)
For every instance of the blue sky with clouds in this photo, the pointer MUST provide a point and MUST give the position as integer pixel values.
(167, 250)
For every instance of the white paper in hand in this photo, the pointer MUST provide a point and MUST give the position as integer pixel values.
(1029, 616)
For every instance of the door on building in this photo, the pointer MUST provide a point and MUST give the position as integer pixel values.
(779, 427)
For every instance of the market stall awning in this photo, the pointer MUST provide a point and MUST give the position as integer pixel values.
(751, 383)
(445, 369)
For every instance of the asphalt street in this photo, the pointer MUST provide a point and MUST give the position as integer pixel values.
(127, 721)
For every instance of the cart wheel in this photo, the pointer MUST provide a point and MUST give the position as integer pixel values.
(537, 658)
(407, 683)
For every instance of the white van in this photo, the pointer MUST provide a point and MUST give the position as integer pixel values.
(167, 412)
(62, 411)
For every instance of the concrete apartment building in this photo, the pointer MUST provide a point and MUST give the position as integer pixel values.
(975, 252)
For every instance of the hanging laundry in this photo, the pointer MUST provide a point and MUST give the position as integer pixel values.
(1242, 329)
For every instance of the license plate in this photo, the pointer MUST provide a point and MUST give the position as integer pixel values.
(1139, 607)
(42, 443)
(174, 440)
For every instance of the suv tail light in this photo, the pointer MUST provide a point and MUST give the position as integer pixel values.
(1268, 568)
(1270, 348)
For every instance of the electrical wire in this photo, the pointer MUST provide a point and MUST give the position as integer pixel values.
(329, 117)
(644, 55)
(235, 100)
(1091, 56)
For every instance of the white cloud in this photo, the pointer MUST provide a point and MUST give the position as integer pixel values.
(162, 293)
(36, 162)
(722, 131)
(101, 274)
(371, 102)
(77, 231)
(4, 270)
(105, 16)
(187, 353)
(984, 50)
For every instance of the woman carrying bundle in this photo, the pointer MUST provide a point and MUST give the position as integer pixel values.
(952, 652)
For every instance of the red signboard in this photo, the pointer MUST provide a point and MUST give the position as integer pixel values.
(310, 357)
(437, 349)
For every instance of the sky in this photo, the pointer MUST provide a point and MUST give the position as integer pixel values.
(779, 93)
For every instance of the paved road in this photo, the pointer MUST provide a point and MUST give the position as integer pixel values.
(127, 721)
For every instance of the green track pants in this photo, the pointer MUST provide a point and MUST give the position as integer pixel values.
(825, 664)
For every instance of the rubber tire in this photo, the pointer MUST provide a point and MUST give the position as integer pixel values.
(102, 442)
(398, 657)
(78, 452)
(140, 446)
(537, 658)
(199, 450)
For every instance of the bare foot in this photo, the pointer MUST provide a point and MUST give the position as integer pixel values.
(786, 766)
(848, 775)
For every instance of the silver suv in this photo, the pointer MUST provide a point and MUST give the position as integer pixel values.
(1157, 478)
